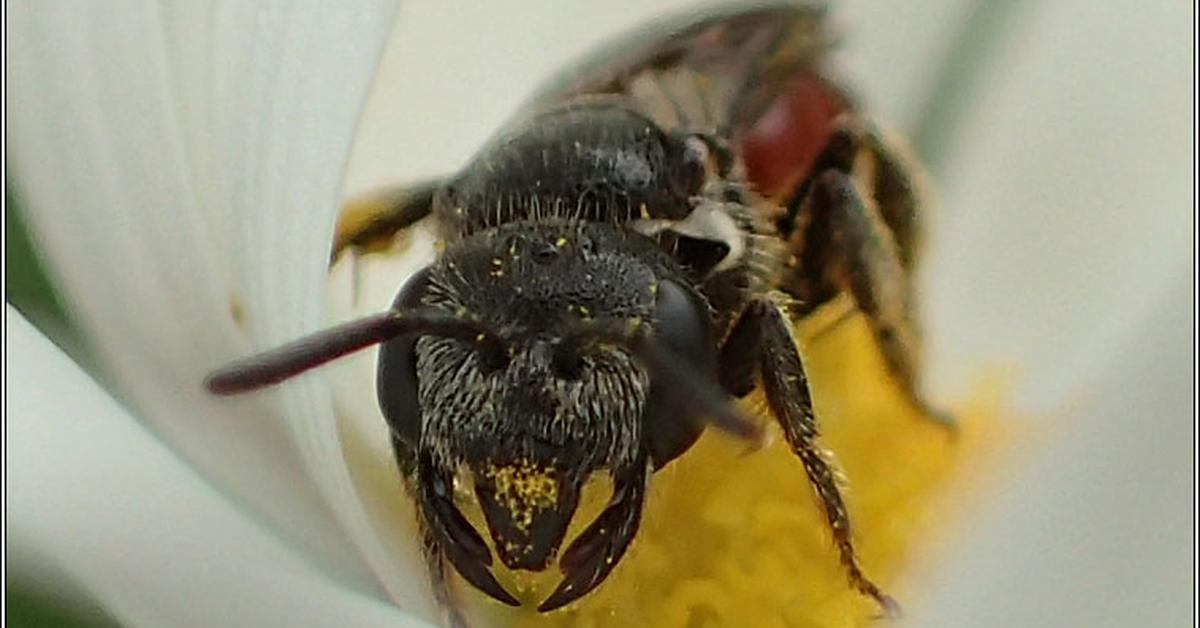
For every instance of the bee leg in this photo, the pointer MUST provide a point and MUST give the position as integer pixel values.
(431, 550)
(597, 550)
(865, 261)
(838, 154)
(763, 333)
(741, 353)
(435, 564)
(450, 537)
(371, 223)
(897, 194)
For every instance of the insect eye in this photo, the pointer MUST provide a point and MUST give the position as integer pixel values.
(682, 324)
(396, 377)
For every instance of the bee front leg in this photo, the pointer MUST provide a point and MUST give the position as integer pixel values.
(864, 260)
(439, 579)
(763, 336)
(448, 539)
(436, 563)
(371, 223)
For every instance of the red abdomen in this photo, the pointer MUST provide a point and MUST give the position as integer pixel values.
(780, 148)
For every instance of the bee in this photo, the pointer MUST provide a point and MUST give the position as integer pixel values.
(620, 263)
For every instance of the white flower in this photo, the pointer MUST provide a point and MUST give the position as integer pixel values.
(182, 164)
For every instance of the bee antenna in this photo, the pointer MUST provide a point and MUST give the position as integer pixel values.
(287, 361)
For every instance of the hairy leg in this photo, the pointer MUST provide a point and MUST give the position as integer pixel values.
(763, 335)
(861, 257)
(896, 189)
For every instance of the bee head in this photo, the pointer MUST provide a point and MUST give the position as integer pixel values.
(577, 371)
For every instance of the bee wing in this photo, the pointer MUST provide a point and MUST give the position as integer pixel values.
(713, 73)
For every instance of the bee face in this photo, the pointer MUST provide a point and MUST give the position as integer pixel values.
(531, 421)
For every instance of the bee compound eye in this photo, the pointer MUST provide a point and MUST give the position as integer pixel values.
(396, 374)
(681, 324)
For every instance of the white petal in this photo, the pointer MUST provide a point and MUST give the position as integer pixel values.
(1071, 218)
(1097, 528)
(92, 494)
(181, 164)
(892, 51)
(1067, 202)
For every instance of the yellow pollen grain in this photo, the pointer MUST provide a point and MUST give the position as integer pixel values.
(561, 242)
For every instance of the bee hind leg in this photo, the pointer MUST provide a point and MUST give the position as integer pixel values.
(864, 259)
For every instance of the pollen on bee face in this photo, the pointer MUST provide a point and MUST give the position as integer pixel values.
(525, 488)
